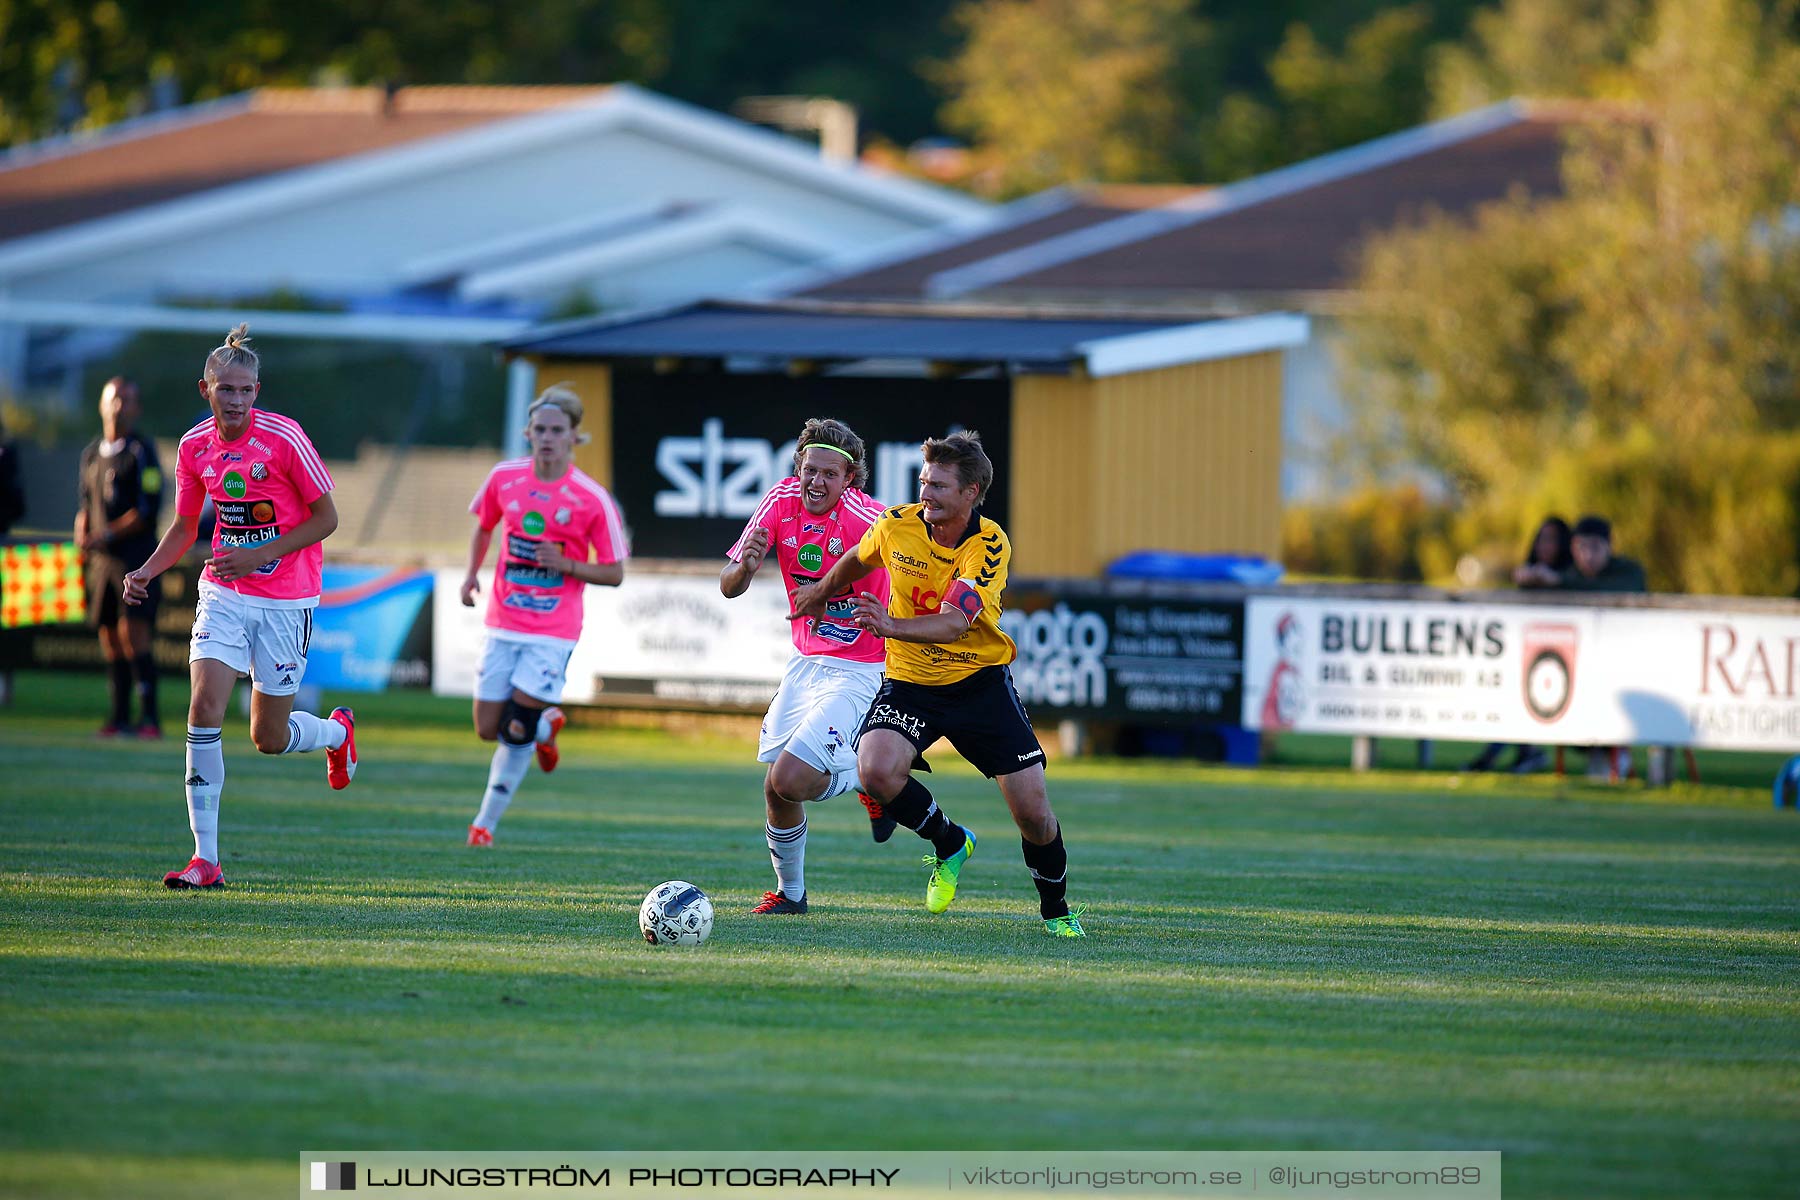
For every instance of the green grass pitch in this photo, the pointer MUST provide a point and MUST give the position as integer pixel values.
(1602, 983)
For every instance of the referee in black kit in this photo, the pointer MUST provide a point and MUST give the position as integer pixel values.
(115, 526)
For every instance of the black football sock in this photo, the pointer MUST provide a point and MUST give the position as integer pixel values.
(915, 809)
(144, 667)
(1049, 867)
(118, 686)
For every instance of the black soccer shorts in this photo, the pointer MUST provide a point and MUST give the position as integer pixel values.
(982, 716)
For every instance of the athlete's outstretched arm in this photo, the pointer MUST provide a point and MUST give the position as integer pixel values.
(932, 629)
(168, 552)
(321, 521)
(810, 601)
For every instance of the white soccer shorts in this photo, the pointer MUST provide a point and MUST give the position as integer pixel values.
(267, 644)
(537, 668)
(817, 711)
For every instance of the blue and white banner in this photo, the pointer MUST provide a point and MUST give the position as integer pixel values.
(372, 630)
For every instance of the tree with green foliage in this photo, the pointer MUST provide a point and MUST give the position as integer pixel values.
(1634, 347)
(1073, 90)
(1324, 100)
(1548, 48)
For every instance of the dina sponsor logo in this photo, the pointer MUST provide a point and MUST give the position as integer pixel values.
(532, 523)
(233, 485)
(811, 557)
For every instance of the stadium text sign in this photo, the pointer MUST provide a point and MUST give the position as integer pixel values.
(1523, 673)
(693, 454)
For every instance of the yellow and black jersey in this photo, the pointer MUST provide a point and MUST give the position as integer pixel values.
(926, 577)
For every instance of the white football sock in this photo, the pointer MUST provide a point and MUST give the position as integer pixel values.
(787, 851)
(307, 733)
(504, 776)
(843, 781)
(205, 780)
(543, 726)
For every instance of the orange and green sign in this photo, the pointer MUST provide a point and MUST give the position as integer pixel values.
(40, 584)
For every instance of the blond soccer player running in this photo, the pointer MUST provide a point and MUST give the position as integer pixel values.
(563, 531)
(254, 611)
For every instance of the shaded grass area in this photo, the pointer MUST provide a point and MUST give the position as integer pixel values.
(1599, 982)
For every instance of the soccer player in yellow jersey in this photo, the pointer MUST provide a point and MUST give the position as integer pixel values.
(947, 672)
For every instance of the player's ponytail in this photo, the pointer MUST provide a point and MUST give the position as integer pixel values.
(234, 352)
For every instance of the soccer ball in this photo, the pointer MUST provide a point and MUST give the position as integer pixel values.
(675, 913)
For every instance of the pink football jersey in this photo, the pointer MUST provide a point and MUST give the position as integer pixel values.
(805, 547)
(573, 511)
(262, 484)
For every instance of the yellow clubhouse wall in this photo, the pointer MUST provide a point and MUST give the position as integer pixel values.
(1185, 459)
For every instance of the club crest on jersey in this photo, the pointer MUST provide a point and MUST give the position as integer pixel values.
(259, 471)
(563, 515)
(834, 546)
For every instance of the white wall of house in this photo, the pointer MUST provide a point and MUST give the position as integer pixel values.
(756, 205)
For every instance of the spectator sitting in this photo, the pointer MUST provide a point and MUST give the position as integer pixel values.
(1548, 557)
(1545, 561)
(1596, 568)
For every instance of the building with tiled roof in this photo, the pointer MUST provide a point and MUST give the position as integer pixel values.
(1286, 240)
(404, 211)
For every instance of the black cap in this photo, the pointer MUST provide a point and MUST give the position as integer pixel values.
(1592, 526)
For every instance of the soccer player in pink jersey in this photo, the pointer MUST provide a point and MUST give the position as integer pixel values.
(809, 735)
(555, 518)
(272, 495)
